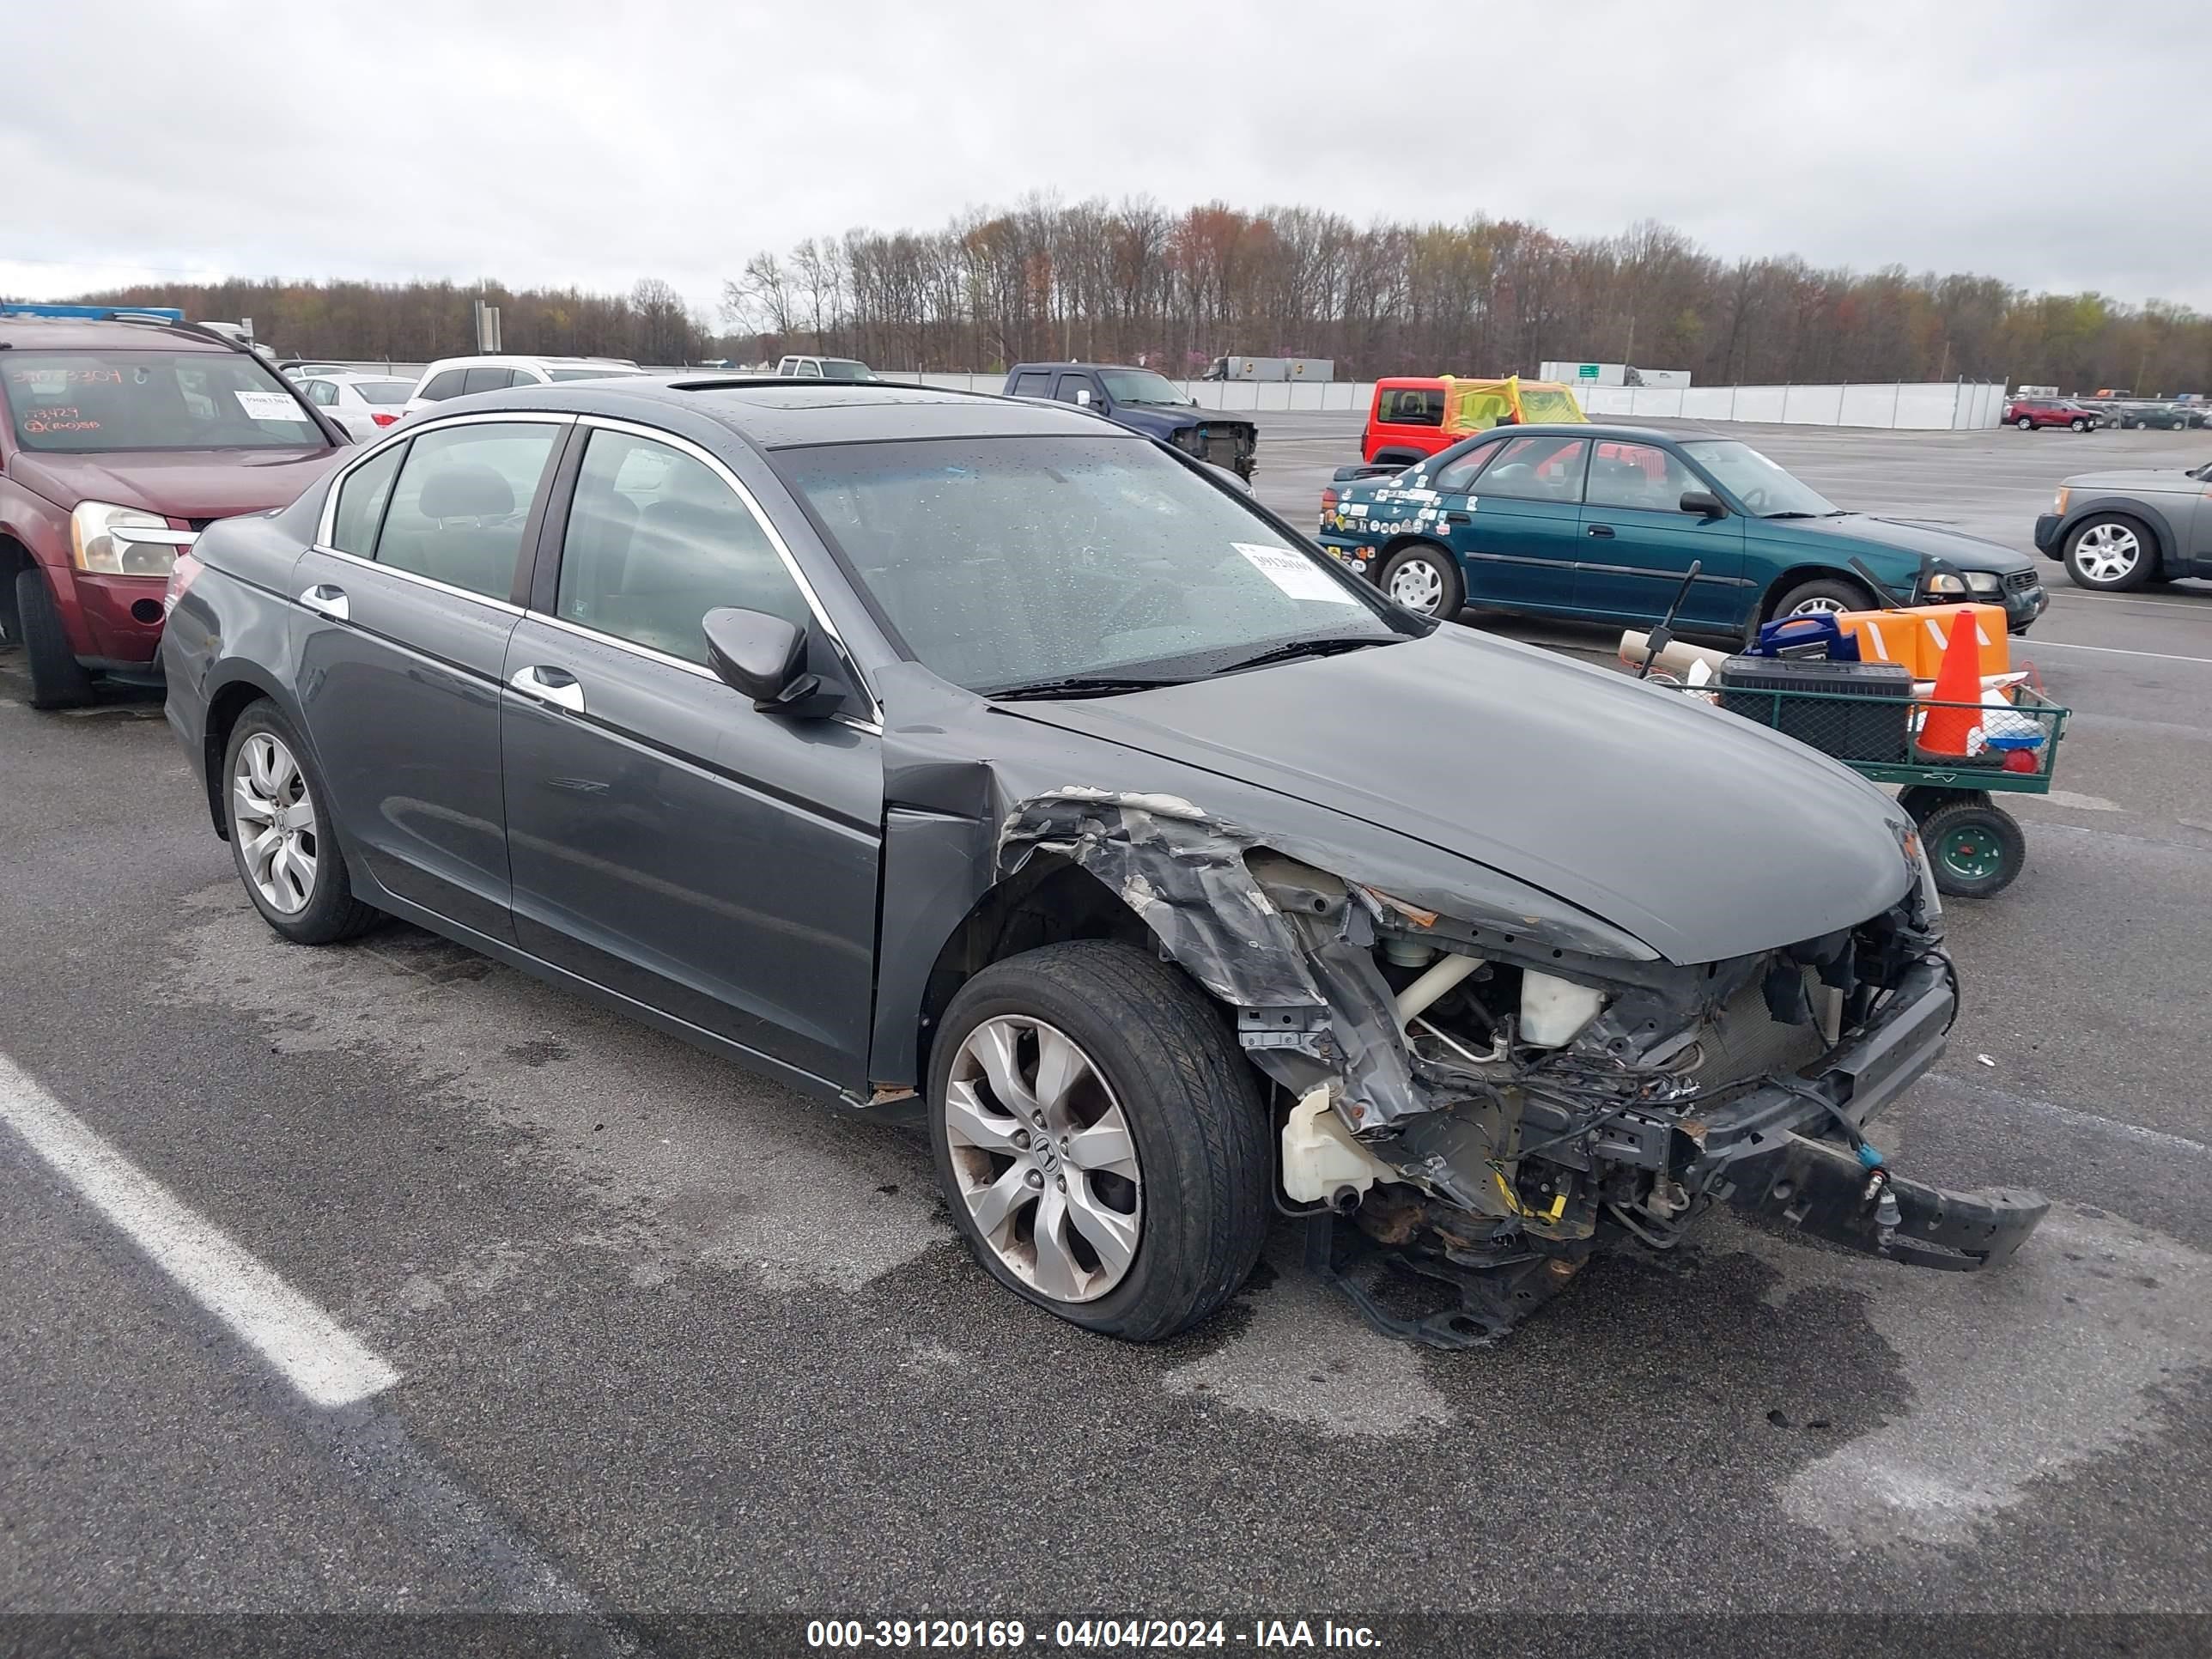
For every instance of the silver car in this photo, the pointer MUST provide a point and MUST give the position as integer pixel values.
(2120, 530)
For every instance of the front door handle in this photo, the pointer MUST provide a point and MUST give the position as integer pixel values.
(1459, 518)
(1604, 530)
(326, 600)
(554, 686)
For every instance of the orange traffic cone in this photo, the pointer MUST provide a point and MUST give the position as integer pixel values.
(1958, 681)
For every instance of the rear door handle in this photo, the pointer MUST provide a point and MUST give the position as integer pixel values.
(326, 600)
(1605, 530)
(554, 686)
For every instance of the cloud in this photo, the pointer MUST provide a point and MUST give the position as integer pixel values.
(2052, 144)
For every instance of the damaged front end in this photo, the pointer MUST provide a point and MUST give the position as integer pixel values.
(1491, 1099)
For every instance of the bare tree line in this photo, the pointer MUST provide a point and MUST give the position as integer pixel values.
(1133, 281)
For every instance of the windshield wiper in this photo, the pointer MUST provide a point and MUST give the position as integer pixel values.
(1296, 648)
(1793, 514)
(1080, 685)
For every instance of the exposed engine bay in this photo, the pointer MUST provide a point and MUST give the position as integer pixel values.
(1490, 1105)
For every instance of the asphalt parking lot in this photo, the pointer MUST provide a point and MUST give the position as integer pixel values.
(667, 1339)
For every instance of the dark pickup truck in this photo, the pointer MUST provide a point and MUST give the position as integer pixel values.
(1144, 401)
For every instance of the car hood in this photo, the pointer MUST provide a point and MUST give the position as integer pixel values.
(2168, 480)
(185, 483)
(1699, 833)
(1167, 418)
(1850, 530)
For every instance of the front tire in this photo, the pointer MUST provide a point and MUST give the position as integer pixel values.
(1822, 595)
(280, 837)
(2078, 424)
(1424, 578)
(2110, 553)
(57, 679)
(2024, 424)
(1100, 1140)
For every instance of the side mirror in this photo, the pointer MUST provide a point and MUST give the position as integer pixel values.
(1703, 502)
(1082, 398)
(763, 656)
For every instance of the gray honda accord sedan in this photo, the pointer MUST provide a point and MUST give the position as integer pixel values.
(983, 763)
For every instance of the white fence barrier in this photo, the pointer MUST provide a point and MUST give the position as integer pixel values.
(1935, 405)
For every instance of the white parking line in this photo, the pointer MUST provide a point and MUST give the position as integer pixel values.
(316, 1355)
(2108, 650)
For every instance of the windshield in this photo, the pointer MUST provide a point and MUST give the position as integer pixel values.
(844, 368)
(1006, 562)
(384, 392)
(1761, 485)
(106, 402)
(1141, 386)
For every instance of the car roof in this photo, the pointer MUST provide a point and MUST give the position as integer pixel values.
(527, 360)
(779, 413)
(1127, 368)
(22, 333)
(1593, 429)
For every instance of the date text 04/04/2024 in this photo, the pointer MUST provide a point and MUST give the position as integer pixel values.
(1007, 1634)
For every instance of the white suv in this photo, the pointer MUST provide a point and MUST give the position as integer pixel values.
(824, 368)
(449, 377)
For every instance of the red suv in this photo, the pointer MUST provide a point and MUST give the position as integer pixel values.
(122, 434)
(2029, 413)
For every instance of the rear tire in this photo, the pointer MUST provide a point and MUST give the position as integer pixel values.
(1197, 1154)
(1430, 580)
(1823, 595)
(57, 679)
(2024, 424)
(320, 909)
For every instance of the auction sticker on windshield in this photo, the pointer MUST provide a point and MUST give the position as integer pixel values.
(1298, 576)
(267, 406)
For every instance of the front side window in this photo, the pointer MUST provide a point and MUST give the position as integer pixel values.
(656, 539)
(108, 402)
(362, 496)
(462, 501)
(446, 383)
(321, 393)
(1638, 476)
(809, 370)
(844, 368)
(1008, 561)
(1074, 389)
(1536, 468)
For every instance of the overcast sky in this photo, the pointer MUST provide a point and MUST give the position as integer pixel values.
(2062, 145)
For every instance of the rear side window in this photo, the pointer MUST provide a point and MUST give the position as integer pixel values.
(1534, 469)
(487, 379)
(1454, 478)
(382, 391)
(463, 497)
(1032, 385)
(656, 539)
(446, 383)
(362, 497)
(1410, 406)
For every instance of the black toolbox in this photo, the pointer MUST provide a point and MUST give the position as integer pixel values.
(1861, 711)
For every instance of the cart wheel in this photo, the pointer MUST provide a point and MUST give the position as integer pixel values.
(1976, 848)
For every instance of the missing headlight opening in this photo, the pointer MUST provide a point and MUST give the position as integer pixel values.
(1483, 1100)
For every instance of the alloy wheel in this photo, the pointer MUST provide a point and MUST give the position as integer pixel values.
(1043, 1158)
(1418, 586)
(2107, 552)
(1820, 605)
(272, 811)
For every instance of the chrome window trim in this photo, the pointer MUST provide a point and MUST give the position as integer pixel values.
(721, 470)
(420, 580)
(615, 643)
(400, 434)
